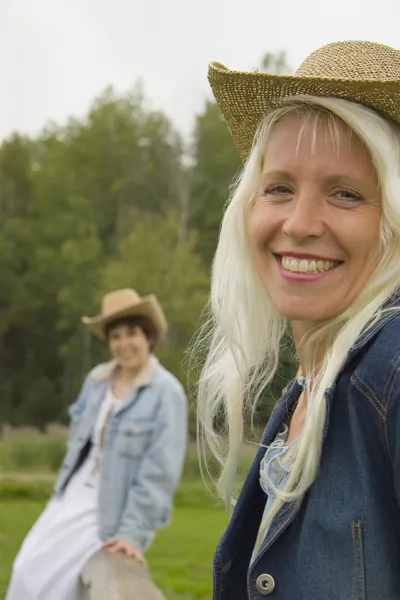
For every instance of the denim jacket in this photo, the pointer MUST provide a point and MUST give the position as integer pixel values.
(342, 541)
(143, 454)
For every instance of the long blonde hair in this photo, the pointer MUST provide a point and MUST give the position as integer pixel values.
(244, 331)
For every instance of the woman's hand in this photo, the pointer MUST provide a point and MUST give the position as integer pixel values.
(115, 546)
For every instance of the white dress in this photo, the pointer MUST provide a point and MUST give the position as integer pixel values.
(65, 536)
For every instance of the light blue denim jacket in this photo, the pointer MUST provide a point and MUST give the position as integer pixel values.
(143, 455)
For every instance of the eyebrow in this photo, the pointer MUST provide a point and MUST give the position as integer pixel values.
(277, 174)
(339, 177)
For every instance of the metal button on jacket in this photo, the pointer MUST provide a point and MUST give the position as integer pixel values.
(265, 584)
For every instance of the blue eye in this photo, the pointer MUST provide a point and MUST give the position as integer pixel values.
(277, 190)
(347, 196)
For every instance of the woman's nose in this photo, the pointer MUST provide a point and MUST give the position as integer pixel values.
(304, 217)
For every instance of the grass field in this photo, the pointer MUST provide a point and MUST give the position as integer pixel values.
(180, 559)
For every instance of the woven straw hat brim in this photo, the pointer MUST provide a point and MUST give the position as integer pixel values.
(148, 307)
(246, 98)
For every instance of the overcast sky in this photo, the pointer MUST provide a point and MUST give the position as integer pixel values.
(57, 55)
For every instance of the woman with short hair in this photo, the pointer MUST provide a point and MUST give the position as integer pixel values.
(126, 448)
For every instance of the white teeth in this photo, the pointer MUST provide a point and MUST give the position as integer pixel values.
(306, 266)
(303, 266)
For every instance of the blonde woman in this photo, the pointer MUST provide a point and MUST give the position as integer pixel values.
(125, 454)
(310, 242)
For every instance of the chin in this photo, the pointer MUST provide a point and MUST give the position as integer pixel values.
(129, 364)
(304, 312)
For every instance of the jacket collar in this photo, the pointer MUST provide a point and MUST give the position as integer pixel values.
(389, 310)
(143, 378)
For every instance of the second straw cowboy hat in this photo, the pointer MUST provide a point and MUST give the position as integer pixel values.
(126, 303)
(363, 72)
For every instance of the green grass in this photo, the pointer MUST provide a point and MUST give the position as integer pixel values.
(180, 559)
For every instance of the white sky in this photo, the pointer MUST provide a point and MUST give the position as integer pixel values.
(57, 55)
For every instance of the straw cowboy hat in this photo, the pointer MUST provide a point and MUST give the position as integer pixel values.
(363, 72)
(127, 303)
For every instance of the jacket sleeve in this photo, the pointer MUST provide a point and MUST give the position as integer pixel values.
(149, 500)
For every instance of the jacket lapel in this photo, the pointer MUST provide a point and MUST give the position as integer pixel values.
(241, 533)
(131, 399)
(98, 395)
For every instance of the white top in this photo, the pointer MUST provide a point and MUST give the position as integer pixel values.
(89, 472)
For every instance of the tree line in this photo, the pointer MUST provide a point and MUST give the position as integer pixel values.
(116, 199)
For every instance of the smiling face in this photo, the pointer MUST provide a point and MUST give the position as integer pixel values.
(315, 223)
(129, 346)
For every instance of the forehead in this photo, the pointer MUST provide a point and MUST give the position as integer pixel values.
(316, 141)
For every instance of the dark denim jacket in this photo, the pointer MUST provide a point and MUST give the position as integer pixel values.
(342, 542)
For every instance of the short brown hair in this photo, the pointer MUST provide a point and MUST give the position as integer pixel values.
(141, 321)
